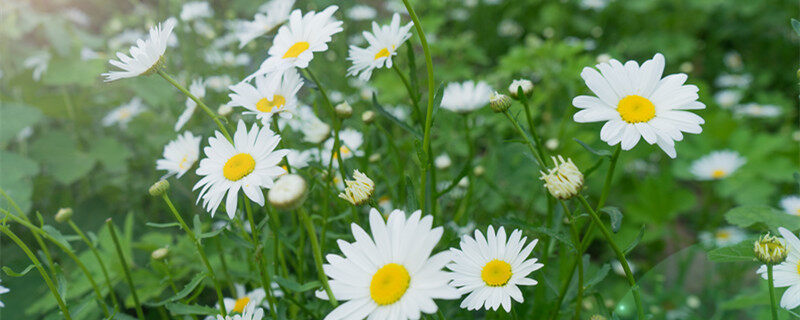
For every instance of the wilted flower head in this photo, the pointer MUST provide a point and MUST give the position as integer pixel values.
(358, 191)
(288, 193)
(770, 249)
(564, 181)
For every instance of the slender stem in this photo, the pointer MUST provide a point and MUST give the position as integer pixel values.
(532, 127)
(125, 268)
(411, 92)
(35, 236)
(426, 140)
(336, 125)
(99, 261)
(41, 270)
(266, 282)
(535, 153)
(620, 255)
(199, 102)
(773, 301)
(312, 237)
(576, 238)
(224, 265)
(200, 252)
(609, 177)
(274, 225)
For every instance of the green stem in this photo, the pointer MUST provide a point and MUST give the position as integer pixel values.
(200, 252)
(199, 102)
(41, 270)
(772, 299)
(609, 178)
(99, 261)
(266, 282)
(532, 127)
(411, 93)
(312, 237)
(426, 140)
(336, 125)
(528, 142)
(35, 236)
(620, 255)
(576, 238)
(125, 269)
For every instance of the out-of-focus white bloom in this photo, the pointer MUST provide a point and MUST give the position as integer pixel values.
(723, 237)
(145, 57)
(460, 231)
(226, 58)
(359, 190)
(594, 4)
(757, 110)
(204, 29)
(351, 141)
(180, 154)
(551, 144)
(273, 94)
(198, 89)
(196, 10)
(219, 83)
(396, 6)
(38, 62)
(299, 159)
(399, 111)
(727, 98)
(717, 165)
(383, 43)
(361, 12)
(442, 161)
(733, 80)
(466, 97)
(123, 114)
(791, 205)
(733, 60)
(89, 54)
(25, 133)
(509, 28)
(77, 16)
(603, 58)
(686, 67)
(459, 14)
(276, 12)
(288, 193)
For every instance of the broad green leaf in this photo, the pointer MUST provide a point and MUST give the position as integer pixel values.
(181, 309)
(16, 167)
(12, 273)
(73, 71)
(297, 287)
(53, 232)
(616, 217)
(762, 216)
(110, 153)
(743, 251)
(59, 154)
(602, 153)
(187, 289)
(14, 117)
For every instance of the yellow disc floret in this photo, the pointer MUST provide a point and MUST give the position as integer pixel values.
(240, 304)
(266, 105)
(382, 54)
(635, 109)
(717, 174)
(496, 273)
(238, 166)
(296, 49)
(389, 284)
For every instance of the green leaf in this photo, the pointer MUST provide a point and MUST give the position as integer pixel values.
(599, 276)
(53, 232)
(796, 26)
(59, 154)
(163, 225)
(16, 167)
(602, 153)
(187, 289)
(210, 234)
(73, 71)
(743, 251)
(635, 241)
(14, 117)
(16, 180)
(616, 217)
(181, 309)
(110, 153)
(12, 273)
(437, 101)
(394, 119)
(294, 286)
(762, 216)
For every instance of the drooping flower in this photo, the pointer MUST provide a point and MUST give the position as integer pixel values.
(250, 163)
(276, 12)
(123, 114)
(391, 274)
(466, 97)
(791, 205)
(563, 181)
(383, 42)
(198, 89)
(491, 268)
(717, 165)
(359, 190)
(145, 57)
(180, 154)
(274, 93)
(787, 273)
(636, 102)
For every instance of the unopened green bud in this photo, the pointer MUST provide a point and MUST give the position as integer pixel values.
(159, 188)
(159, 253)
(770, 249)
(344, 110)
(524, 84)
(63, 214)
(368, 117)
(499, 102)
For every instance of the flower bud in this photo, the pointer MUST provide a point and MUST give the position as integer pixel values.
(288, 193)
(375, 157)
(551, 144)
(159, 253)
(564, 181)
(770, 249)
(478, 170)
(63, 214)
(316, 132)
(442, 162)
(358, 191)
(224, 110)
(159, 188)
(343, 110)
(526, 86)
(499, 102)
(368, 117)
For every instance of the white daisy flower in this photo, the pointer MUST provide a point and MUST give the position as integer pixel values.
(383, 43)
(391, 274)
(723, 237)
(39, 63)
(299, 159)
(727, 98)
(256, 297)
(490, 269)
(296, 42)
(123, 114)
(442, 162)
(733, 80)
(273, 94)
(196, 10)
(717, 165)
(466, 97)
(145, 57)
(635, 102)
(2, 291)
(226, 58)
(791, 205)
(277, 12)
(361, 12)
(180, 154)
(219, 83)
(787, 274)
(755, 110)
(249, 163)
(198, 89)
(251, 311)
(351, 141)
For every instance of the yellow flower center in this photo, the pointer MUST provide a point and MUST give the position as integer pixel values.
(389, 284)
(382, 54)
(182, 164)
(797, 212)
(296, 49)
(635, 109)
(344, 150)
(266, 105)
(238, 166)
(496, 273)
(723, 235)
(718, 174)
(798, 268)
(240, 304)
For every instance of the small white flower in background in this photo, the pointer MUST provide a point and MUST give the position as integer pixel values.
(525, 84)
(442, 161)
(2, 291)
(509, 28)
(460, 231)
(296, 42)
(145, 57)
(196, 10)
(126, 37)
(564, 181)
(89, 54)
(38, 62)
(299, 159)
(636, 102)
(733, 60)
(723, 237)
(351, 141)
(180, 154)
(490, 269)
(271, 15)
(288, 193)
(619, 270)
(459, 14)
(727, 98)
(594, 4)
(25, 133)
(551, 144)
(385, 205)
(399, 111)
(791, 205)
(358, 191)
(273, 94)
(315, 131)
(225, 110)
(717, 165)
(391, 274)
(361, 12)
(250, 163)
(77, 16)
(198, 89)
(756, 110)
(603, 58)
(250, 312)
(204, 29)
(396, 6)
(732, 80)
(123, 114)
(466, 96)
(384, 40)
(786, 273)
(219, 83)
(226, 58)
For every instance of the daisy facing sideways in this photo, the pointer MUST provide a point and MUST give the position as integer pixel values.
(490, 268)
(787, 274)
(145, 57)
(635, 102)
(249, 163)
(391, 274)
(717, 165)
(123, 114)
(274, 93)
(180, 154)
(383, 43)
(466, 97)
(198, 89)
(791, 205)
